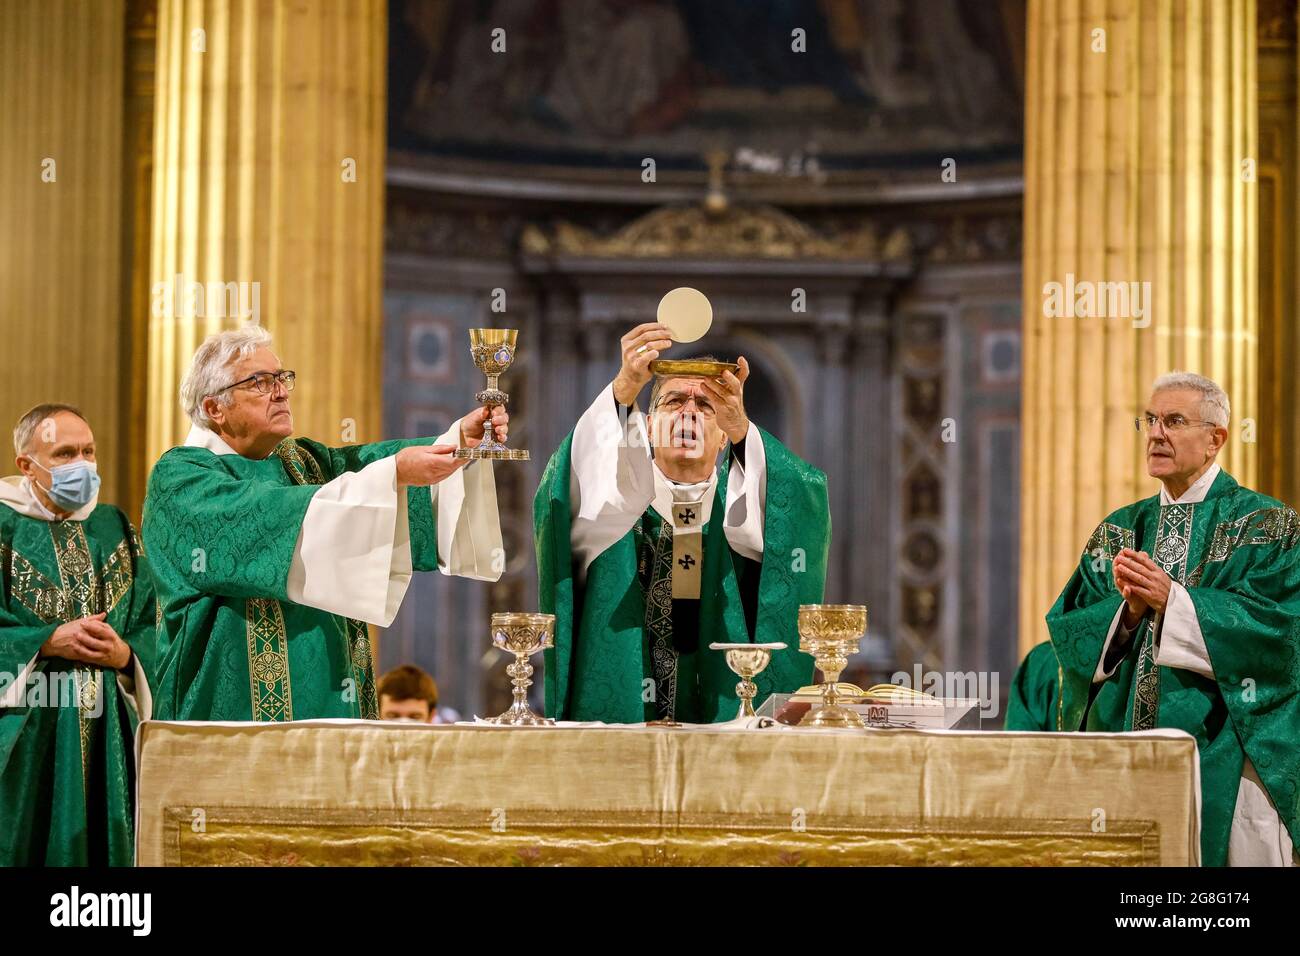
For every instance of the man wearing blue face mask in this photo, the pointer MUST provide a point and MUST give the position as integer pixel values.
(77, 638)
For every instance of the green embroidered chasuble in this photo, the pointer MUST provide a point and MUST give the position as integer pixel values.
(1238, 554)
(221, 532)
(67, 762)
(1035, 691)
(609, 628)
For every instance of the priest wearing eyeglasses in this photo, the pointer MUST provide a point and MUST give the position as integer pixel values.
(1184, 612)
(271, 554)
(649, 547)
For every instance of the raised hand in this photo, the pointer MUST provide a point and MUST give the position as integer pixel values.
(639, 348)
(728, 396)
(471, 426)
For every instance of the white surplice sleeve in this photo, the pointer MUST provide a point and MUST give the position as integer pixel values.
(353, 554)
(1181, 642)
(469, 525)
(1118, 632)
(13, 695)
(611, 478)
(135, 688)
(746, 494)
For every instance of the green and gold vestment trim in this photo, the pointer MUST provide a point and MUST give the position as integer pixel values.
(1263, 526)
(80, 598)
(82, 590)
(268, 643)
(657, 559)
(1108, 541)
(268, 660)
(363, 667)
(1173, 538)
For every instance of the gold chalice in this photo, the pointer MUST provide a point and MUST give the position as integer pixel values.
(747, 661)
(830, 633)
(493, 351)
(523, 635)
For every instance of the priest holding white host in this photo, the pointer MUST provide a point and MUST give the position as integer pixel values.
(649, 547)
(271, 554)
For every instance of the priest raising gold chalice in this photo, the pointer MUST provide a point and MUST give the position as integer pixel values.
(661, 531)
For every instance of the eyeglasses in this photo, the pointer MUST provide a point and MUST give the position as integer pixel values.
(1172, 422)
(675, 402)
(263, 382)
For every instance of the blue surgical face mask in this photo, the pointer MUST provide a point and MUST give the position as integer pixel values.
(72, 486)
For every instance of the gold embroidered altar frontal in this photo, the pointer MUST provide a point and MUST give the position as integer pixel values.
(331, 793)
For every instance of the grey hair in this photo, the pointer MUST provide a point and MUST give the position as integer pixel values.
(1214, 400)
(209, 369)
(25, 430)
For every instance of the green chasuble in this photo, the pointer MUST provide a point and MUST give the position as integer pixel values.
(606, 631)
(1035, 691)
(1238, 554)
(67, 762)
(221, 532)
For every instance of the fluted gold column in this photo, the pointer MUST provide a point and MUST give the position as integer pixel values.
(268, 179)
(1133, 173)
(60, 218)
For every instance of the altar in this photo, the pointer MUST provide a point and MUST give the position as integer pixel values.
(341, 792)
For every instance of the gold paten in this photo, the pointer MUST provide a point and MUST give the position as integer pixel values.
(673, 368)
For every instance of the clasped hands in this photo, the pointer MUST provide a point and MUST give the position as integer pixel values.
(1141, 582)
(88, 640)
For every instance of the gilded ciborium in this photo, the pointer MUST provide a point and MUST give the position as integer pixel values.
(493, 350)
(522, 634)
(747, 661)
(830, 633)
